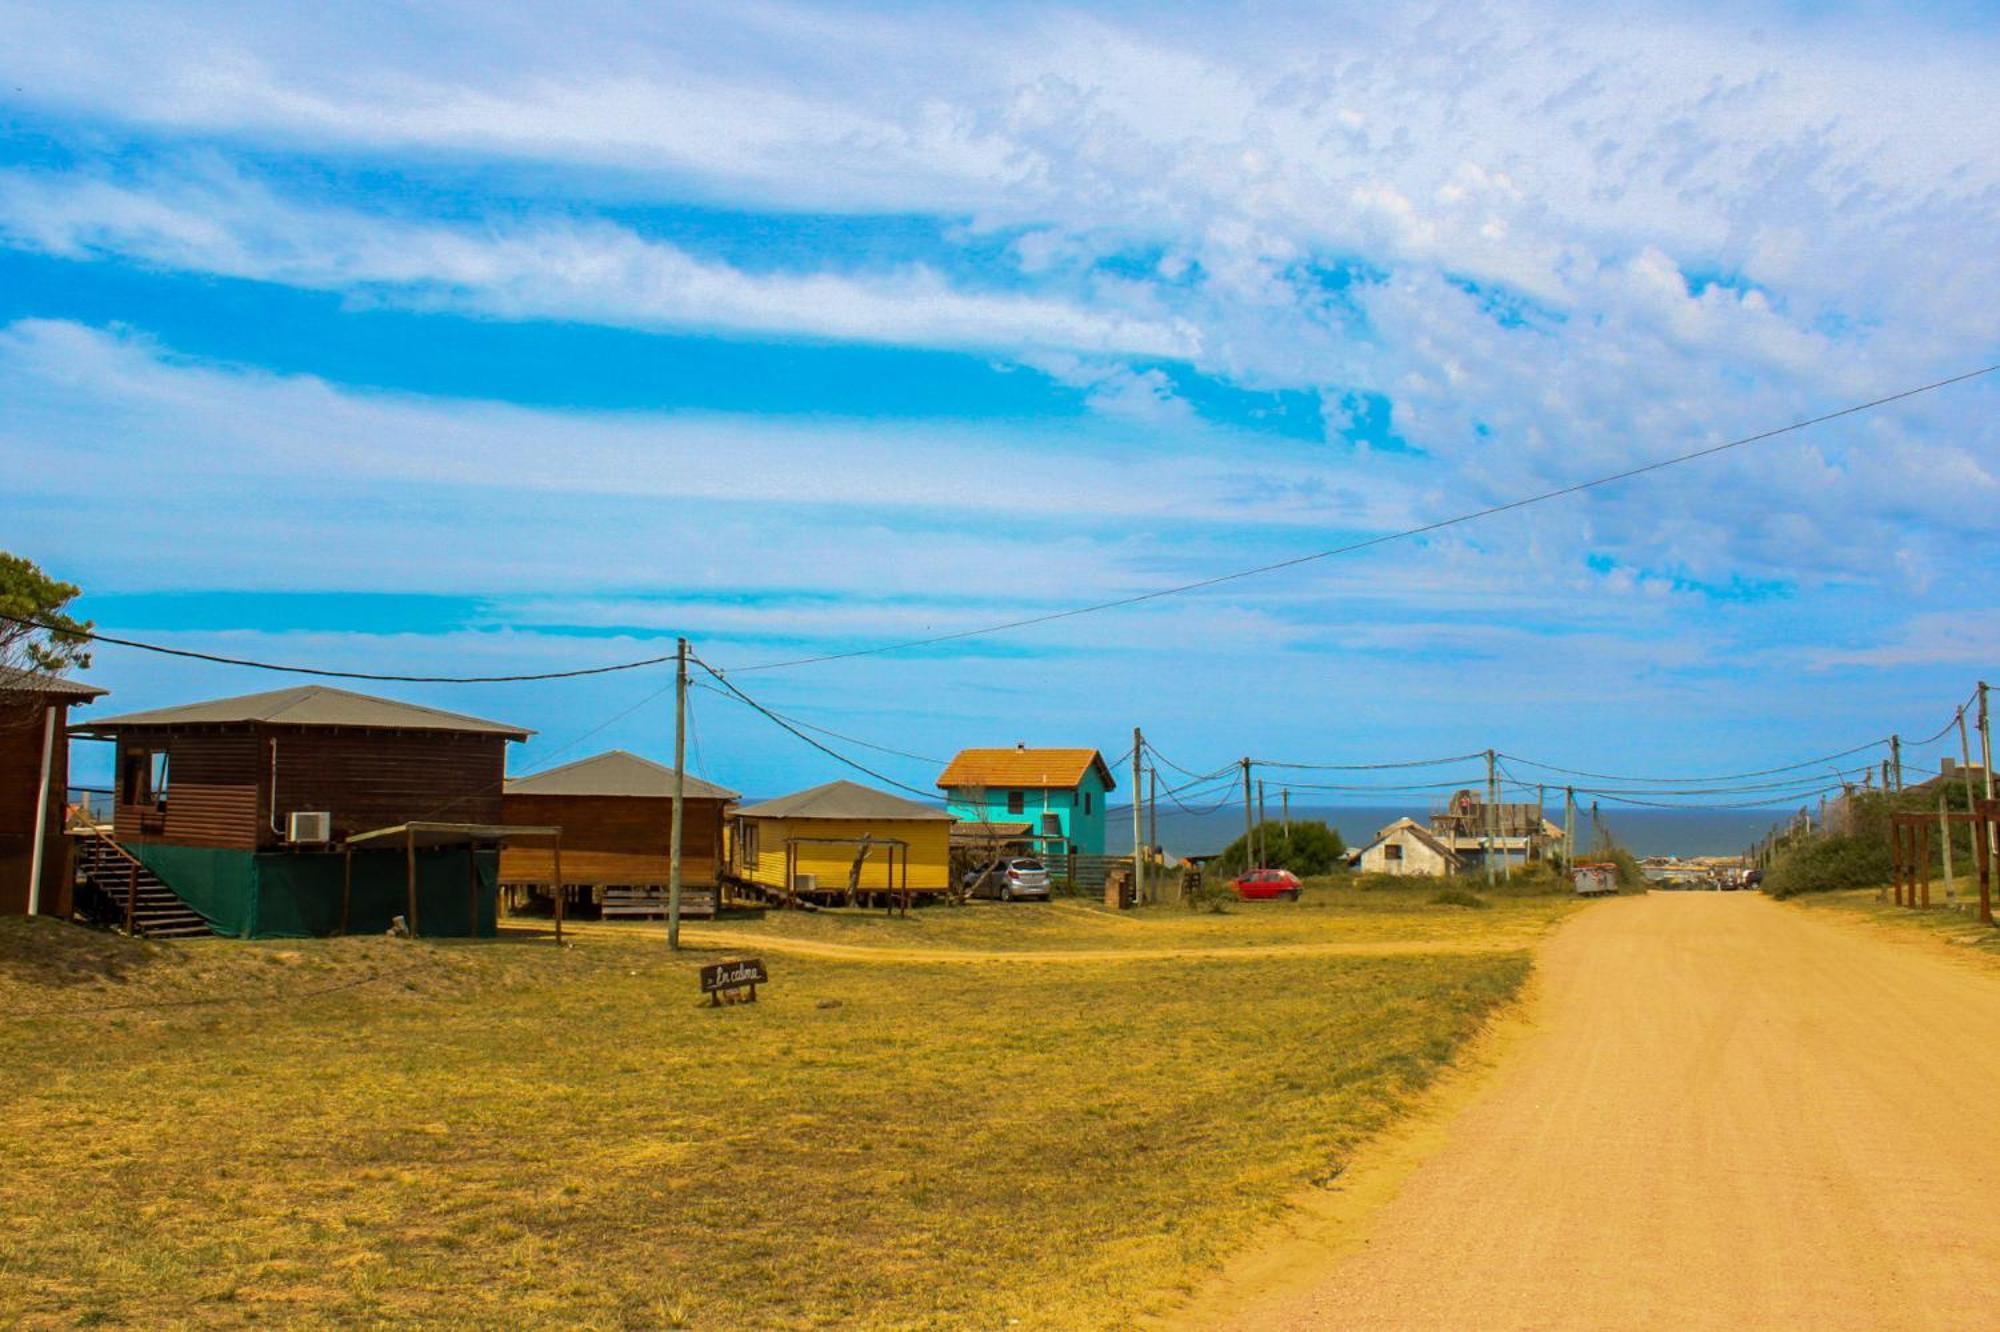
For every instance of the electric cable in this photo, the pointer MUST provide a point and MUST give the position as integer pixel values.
(1072, 612)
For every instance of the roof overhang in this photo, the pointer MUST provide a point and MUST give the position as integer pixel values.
(427, 836)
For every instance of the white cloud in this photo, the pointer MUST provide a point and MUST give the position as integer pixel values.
(387, 483)
(214, 221)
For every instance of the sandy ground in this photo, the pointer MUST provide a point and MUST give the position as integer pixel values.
(1717, 1112)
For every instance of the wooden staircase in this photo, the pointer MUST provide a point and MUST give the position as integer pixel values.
(115, 887)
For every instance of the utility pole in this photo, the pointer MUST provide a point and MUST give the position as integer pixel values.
(1138, 811)
(1286, 796)
(1986, 759)
(680, 794)
(1944, 840)
(1492, 795)
(1152, 806)
(1249, 820)
(1569, 826)
(1965, 762)
(1896, 758)
(1263, 849)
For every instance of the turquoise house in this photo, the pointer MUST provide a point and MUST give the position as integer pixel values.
(1051, 799)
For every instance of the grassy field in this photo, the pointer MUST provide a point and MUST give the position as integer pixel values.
(504, 1134)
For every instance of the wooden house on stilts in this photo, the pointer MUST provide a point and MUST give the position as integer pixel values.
(615, 810)
(301, 812)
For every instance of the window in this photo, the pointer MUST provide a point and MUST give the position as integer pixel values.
(746, 839)
(1086, 802)
(1393, 851)
(1017, 802)
(143, 779)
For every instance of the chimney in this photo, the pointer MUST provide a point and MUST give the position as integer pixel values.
(1020, 744)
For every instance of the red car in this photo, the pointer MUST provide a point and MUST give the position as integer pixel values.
(1264, 885)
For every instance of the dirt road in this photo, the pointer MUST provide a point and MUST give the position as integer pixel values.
(1723, 1113)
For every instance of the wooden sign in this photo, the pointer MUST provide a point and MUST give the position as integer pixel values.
(730, 977)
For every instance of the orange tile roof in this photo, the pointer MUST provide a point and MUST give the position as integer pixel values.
(1037, 768)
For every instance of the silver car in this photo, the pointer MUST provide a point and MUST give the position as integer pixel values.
(1010, 879)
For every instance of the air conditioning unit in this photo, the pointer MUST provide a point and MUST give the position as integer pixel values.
(313, 826)
(805, 883)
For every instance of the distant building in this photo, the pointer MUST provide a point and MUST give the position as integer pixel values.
(1406, 847)
(1058, 793)
(1511, 832)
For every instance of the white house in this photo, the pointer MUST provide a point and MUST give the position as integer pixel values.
(1407, 847)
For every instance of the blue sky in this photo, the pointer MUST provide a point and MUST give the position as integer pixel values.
(455, 341)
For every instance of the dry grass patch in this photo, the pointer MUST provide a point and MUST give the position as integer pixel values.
(506, 1135)
(1328, 912)
(1960, 929)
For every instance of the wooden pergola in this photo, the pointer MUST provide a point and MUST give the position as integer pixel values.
(899, 894)
(1910, 852)
(431, 836)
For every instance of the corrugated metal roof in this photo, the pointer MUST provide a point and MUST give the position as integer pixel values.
(36, 682)
(310, 705)
(1040, 769)
(615, 773)
(843, 800)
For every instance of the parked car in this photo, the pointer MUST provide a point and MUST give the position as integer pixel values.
(1008, 879)
(1263, 885)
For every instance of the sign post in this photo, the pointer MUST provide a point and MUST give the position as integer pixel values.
(730, 977)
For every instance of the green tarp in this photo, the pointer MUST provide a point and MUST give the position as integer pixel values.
(293, 895)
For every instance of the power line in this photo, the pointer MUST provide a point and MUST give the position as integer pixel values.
(1765, 795)
(1352, 547)
(1370, 767)
(1804, 796)
(1186, 772)
(1026, 622)
(849, 739)
(1702, 777)
(828, 750)
(252, 663)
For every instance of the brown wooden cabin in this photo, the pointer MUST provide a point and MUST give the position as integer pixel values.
(34, 756)
(615, 810)
(204, 794)
(227, 773)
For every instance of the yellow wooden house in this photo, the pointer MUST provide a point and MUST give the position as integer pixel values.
(843, 839)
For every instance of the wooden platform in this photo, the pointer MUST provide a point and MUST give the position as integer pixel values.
(617, 901)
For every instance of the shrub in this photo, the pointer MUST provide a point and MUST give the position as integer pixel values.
(1458, 897)
(1827, 864)
(1858, 855)
(1306, 849)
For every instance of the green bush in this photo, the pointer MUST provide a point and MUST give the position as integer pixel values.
(1306, 849)
(1458, 897)
(1827, 864)
(1858, 855)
